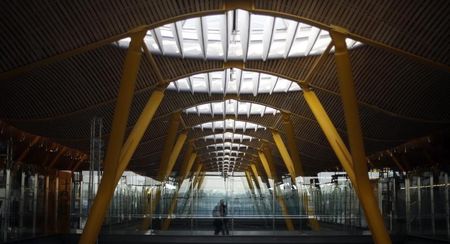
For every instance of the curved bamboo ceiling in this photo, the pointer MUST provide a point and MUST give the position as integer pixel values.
(61, 64)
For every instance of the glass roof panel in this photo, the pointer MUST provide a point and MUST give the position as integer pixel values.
(282, 85)
(228, 136)
(229, 124)
(228, 145)
(233, 81)
(228, 158)
(227, 152)
(236, 35)
(183, 85)
(231, 107)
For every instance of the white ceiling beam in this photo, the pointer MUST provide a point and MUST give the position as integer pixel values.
(290, 38)
(274, 85)
(256, 85)
(225, 81)
(244, 26)
(224, 35)
(203, 36)
(267, 37)
(239, 80)
(190, 85)
(312, 40)
(158, 39)
(177, 34)
(175, 83)
(208, 83)
(288, 87)
(236, 107)
(211, 109)
(197, 110)
(224, 112)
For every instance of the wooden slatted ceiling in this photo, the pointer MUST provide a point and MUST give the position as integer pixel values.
(399, 99)
(306, 128)
(418, 26)
(40, 29)
(378, 85)
(36, 30)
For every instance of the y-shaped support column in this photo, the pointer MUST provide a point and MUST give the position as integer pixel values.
(108, 183)
(348, 94)
(294, 171)
(186, 169)
(267, 161)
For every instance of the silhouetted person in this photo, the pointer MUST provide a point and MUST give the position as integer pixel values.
(217, 222)
(223, 214)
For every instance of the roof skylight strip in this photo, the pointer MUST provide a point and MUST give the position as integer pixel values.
(254, 37)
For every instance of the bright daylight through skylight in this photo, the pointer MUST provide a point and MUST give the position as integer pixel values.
(237, 35)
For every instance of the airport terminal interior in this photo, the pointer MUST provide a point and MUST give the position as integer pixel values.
(224, 121)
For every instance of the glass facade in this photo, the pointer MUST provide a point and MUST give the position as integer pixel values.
(34, 204)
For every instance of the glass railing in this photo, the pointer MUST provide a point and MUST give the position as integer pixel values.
(33, 204)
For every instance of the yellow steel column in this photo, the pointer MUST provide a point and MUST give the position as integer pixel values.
(348, 94)
(254, 170)
(174, 154)
(162, 177)
(149, 195)
(284, 154)
(289, 164)
(200, 181)
(168, 144)
(256, 175)
(197, 175)
(259, 183)
(186, 169)
(265, 164)
(292, 144)
(330, 132)
(138, 131)
(165, 224)
(154, 200)
(273, 171)
(187, 164)
(124, 99)
(266, 158)
(284, 209)
(253, 178)
(193, 181)
(250, 183)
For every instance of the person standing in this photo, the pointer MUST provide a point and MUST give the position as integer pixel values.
(217, 222)
(223, 215)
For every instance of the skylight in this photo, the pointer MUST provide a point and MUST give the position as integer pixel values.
(237, 35)
(230, 124)
(225, 158)
(228, 136)
(228, 145)
(231, 107)
(227, 152)
(233, 81)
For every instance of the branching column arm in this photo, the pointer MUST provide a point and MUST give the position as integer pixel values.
(113, 152)
(351, 113)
